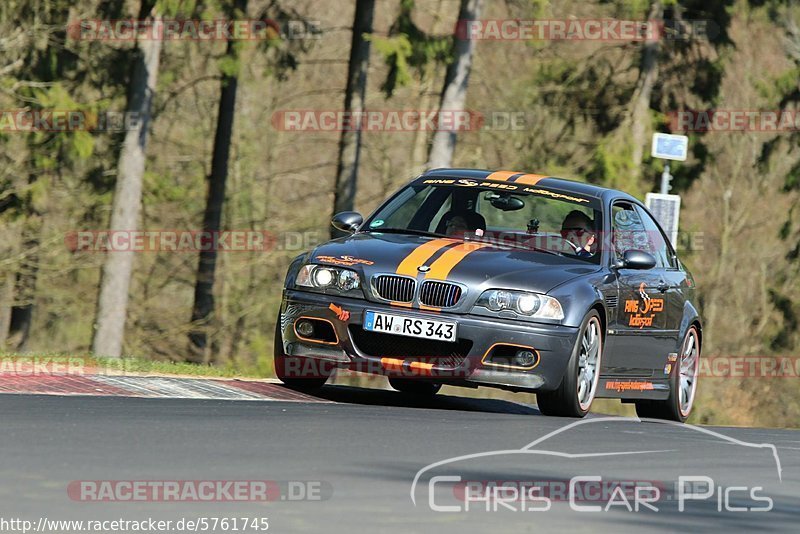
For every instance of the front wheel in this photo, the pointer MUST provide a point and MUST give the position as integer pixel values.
(297, 372)
(575, 395)
(682, 387)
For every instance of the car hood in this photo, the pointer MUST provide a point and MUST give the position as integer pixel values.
(477, 265)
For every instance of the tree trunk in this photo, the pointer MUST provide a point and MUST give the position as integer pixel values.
(648, 75)
(454, 92)
(203, 308)
(112, 303)
(419, 144)
(46, 67)
(350, 141)
(25, 286)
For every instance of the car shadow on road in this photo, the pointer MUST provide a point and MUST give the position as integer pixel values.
(381, 397)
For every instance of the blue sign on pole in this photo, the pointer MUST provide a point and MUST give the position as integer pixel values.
(668, 146)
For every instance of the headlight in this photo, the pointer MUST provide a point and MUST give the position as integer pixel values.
(323, 277)
(521, 302)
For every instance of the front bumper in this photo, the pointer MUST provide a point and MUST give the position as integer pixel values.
(357, 350)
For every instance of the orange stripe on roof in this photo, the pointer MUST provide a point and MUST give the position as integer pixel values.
(420, 255)
(501, 176)
(529, 179)
(442, 267)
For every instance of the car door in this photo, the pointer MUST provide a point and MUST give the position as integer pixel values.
(673, 278)
(642, 338)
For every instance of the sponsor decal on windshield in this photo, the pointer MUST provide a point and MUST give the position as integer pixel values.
(506, 186)
(553, 194)
(466, 182)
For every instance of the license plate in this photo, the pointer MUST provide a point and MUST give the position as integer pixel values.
(410, 326)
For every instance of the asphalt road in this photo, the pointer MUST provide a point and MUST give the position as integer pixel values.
(358, 457)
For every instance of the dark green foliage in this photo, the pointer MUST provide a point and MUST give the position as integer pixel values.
(409, 49)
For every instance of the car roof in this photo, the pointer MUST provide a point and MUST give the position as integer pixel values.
(543, 180)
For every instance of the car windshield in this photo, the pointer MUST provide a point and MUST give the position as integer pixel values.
(530, 218)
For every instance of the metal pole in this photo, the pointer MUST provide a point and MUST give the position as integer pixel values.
(665, 178)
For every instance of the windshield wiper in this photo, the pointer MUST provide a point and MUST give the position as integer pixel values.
(546, 251)
(410, 231)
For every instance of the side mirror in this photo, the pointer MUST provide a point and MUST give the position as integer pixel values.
(636, 259)
(347, 221)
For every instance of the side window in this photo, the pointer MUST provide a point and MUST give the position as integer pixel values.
(412, 208)
(628, 231)
(401, 209)
(658, 242)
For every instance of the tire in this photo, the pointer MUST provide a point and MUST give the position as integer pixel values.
(683, 384)
(284, 364)
(414, 387)
(572, 398)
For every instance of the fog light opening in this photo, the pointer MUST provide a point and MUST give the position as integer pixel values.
(316, 330)
(305, 328)
(525, 358)
(512, 356)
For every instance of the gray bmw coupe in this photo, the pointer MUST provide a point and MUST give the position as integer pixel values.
(502, 279)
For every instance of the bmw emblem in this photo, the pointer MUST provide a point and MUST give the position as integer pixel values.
(423, 268)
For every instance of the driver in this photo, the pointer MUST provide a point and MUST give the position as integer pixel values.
(578, 229)
(459, 223)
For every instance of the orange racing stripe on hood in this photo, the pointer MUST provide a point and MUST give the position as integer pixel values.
(442, 267)
(420, 255)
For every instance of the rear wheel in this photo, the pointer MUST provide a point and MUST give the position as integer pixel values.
(415, 387)
(295, 371)
(575, 395)
(683, 385)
